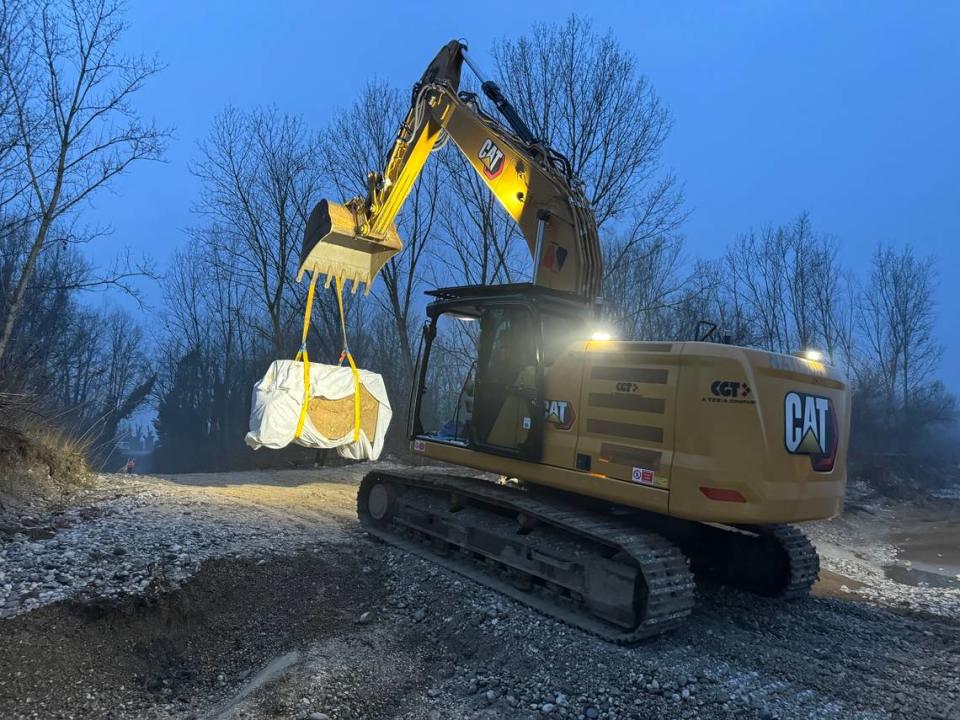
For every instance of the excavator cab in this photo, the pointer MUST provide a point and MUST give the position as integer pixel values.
(496, 404)
(507, 389)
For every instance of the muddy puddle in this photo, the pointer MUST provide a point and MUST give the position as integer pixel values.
(914, 577)
(928, 554)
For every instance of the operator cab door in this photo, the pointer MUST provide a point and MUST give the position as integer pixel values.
(508, 402)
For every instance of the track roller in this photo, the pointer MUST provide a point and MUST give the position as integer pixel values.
(586, 568)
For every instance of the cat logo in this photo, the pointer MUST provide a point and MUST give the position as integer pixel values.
(808, 425)
(560, 413)
(492, 158)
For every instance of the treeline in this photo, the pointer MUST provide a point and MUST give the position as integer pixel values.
(67, 131)
(231, 304)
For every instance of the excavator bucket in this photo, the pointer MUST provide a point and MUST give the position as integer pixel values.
(332, 245)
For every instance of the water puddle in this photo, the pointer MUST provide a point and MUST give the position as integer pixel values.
(915, 577)
(928, 553)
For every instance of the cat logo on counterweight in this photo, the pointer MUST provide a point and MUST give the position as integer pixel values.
(810, 428)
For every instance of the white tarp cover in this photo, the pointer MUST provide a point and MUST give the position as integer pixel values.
(278, 397)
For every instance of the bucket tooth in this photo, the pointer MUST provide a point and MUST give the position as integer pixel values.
(333, 245)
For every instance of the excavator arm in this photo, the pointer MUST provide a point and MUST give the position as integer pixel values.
(533, 183)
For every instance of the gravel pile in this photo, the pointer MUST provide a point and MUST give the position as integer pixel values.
(148, 539)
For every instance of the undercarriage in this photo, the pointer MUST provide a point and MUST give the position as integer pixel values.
(622, 575)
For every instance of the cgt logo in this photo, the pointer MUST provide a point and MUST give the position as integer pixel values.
(810, 428)
(729, 389)
(492, 159)
(729, 392)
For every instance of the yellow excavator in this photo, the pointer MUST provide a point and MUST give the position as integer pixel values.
(625, 468)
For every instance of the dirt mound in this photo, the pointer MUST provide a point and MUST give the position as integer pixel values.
(39, 465)
(174, 647)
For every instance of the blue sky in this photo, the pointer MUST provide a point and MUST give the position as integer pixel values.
(850, 111)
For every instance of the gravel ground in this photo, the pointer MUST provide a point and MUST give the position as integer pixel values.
(151, 535)
(255, 595)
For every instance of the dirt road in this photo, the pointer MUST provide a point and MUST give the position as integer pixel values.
(255, 595)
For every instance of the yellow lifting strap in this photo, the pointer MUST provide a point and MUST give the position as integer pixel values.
(304, 356)
(353, 365)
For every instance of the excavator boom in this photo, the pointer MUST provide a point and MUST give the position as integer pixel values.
(354, 240)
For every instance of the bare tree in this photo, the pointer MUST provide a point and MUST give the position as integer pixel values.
(707, 307)
(583, 93)
(260, 174)
(210, 355)
(790, 288)
(897, 314)
(70, 91)
(643, 296)
(11, 38)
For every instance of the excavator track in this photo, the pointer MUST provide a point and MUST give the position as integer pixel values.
(803, 562)
(593, 571)
(770, 560)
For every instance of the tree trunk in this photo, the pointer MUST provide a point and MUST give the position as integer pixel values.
(15, 306)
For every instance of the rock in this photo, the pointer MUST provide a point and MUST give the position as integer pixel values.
(364, 618)
(547, 708)
(40, 533)
(490, 695)
(419, 615)
(592, 713)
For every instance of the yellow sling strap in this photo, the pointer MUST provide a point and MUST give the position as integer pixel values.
(304, 356)
(353, 365)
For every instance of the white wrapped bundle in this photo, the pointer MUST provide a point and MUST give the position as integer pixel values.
(329, 421)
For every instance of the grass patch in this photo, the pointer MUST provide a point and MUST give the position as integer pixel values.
(39, 462)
